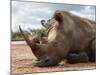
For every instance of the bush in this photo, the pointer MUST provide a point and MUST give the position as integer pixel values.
(38, 32)
(17, 36)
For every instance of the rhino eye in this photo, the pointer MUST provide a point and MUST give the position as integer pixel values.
(55, 44)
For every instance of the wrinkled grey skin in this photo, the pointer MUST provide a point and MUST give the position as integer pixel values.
(67, 33)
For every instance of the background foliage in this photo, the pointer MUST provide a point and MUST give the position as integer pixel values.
(17, 36)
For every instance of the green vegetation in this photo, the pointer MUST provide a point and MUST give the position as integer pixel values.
(17, 36)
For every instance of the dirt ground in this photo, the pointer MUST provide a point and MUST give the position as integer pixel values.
(22, 58)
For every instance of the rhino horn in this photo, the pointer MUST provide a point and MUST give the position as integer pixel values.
(34, 47)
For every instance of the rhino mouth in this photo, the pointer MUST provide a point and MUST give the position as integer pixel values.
(44, 62)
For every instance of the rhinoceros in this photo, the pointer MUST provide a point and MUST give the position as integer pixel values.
(69, 37)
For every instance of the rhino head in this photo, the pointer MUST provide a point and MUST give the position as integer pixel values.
(47, 54)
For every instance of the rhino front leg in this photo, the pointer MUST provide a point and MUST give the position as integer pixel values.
(80, 57)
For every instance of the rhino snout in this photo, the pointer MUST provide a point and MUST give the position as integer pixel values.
(45, 62)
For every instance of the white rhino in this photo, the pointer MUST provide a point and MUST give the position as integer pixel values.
(69, 37)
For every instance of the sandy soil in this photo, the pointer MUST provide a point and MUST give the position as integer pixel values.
(22, 62)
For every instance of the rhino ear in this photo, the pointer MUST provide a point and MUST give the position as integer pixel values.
(58, 17)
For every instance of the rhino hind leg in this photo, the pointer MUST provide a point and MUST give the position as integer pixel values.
(80, 57)
(92, 51)
(92, 55)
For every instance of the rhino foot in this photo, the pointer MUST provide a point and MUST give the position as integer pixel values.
(77, 58)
